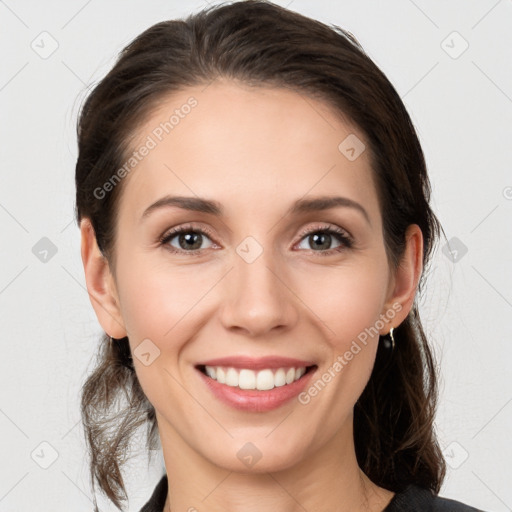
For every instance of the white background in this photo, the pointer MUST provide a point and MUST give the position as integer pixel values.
(462, 108)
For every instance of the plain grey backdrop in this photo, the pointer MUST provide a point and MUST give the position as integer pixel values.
(450, 61)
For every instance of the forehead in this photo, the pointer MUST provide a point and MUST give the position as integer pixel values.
(241, 144)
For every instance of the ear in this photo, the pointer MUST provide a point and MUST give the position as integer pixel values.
(404, 282)
(100, 283)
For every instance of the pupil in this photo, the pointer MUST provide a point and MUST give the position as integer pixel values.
(323, 236)
(190, 238)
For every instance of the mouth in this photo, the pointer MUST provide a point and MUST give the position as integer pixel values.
(255, 390)
(263, 379)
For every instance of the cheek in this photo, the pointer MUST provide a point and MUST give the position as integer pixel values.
(160, 307)
(348, 299)
(156, 298)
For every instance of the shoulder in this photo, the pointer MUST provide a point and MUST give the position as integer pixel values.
(416, 498)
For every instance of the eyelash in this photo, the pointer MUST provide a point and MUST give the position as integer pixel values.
(346, 240)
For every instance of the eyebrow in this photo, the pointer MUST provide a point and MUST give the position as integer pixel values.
(212, 207)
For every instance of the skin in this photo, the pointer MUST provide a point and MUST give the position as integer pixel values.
(256, 151)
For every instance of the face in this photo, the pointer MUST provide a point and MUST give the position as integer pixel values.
(260, 275)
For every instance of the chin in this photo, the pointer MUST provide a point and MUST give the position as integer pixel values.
(255, 457)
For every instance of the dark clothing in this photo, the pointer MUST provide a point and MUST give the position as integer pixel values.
(157, 501)
(413, 499)
(417, 499)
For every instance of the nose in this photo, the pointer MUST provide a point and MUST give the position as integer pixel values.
(257, 299)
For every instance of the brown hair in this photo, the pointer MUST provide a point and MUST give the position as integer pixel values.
(260, 43)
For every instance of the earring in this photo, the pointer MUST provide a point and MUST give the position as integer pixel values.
(389, 340)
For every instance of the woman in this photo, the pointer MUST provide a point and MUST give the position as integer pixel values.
(254, 209)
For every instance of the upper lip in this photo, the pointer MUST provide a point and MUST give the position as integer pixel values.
(258, 363)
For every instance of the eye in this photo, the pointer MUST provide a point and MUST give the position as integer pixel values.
(186, 239)
(321, 237)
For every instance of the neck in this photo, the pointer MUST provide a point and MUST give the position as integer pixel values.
(328, 479)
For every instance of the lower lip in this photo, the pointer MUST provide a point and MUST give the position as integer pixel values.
(253, 400)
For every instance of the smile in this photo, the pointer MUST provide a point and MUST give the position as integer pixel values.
(262, 380)
(255, 389)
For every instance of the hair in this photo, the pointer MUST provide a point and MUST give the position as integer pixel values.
(261, 44)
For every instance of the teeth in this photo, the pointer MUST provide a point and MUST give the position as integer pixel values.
(232, 377)
(261, 380)
(210, 371)
(221, 375)
(246, 379)
(280, 378)
(265, 379)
